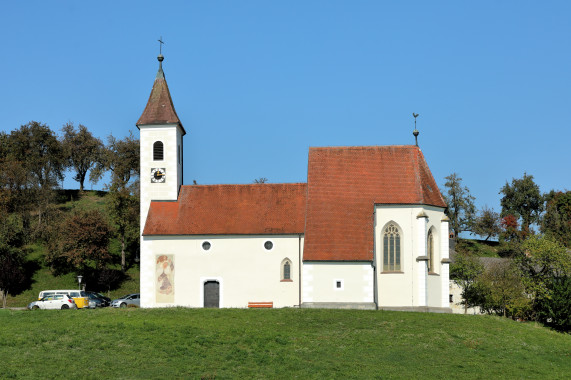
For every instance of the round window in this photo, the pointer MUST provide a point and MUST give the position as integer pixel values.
(268, 245)
(206, 245)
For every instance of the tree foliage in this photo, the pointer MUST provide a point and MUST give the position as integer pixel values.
(542, 260)
(464, 272)
(33, 164)
(12, 274)
(502, 291)
(510, 229)
(523, 200)
(556, 222)
(555, 311)
(487, 223)
(81, 150)
(461, 210)
(121, 159)
(81, 242)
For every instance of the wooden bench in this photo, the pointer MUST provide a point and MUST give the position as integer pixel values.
(261, 304)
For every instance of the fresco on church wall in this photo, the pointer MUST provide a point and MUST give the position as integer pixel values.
(164, 274)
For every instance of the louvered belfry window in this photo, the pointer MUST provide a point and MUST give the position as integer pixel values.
(158, 151)
(391, 249)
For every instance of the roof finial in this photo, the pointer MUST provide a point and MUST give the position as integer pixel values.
(160, 57)
(415, 132)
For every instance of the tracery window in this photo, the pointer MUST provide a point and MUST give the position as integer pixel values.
(430, 248)
(158, 151)
(391, 248)
(286, 270)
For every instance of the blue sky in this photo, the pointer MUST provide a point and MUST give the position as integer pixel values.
(256, 83)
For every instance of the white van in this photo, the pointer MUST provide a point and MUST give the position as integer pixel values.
(79, 296)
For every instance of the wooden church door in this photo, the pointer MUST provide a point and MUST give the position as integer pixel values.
(212, 294)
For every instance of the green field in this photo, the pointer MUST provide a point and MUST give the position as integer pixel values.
(275, 344)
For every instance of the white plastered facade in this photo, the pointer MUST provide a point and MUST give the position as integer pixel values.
(412, 286)
(244, 268)
(171, 137)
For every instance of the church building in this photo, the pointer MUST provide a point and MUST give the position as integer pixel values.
(367, 230)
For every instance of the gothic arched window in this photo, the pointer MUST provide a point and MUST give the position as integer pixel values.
(430, 248)
(286, 270)
(391, 248)
(158, 151)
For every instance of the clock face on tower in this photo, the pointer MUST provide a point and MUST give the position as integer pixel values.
(158, 175)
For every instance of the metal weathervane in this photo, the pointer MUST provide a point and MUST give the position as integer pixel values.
(161, 43)
(415, 132)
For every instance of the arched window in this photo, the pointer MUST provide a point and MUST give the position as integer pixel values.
(286, 270)
(158, 151)
(430, 252)
(391, 248)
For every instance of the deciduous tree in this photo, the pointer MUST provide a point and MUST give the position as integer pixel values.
(464, 272)
(461, 210)
(523, 200)
(81, 149)
(12, 274)
(81, 242)
(121, 159)
(504, 291)
(556, 222)
(487, 223)
(542, 260)
(33, 165)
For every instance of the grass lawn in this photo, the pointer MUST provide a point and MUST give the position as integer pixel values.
(275, 343)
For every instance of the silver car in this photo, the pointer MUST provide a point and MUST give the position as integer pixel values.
(53, 301)
(129, 299)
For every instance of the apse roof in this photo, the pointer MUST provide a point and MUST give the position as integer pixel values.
(344, 185)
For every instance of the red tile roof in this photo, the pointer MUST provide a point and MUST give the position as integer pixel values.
(334, 210)
(160, 108)
(230, 209)
(345, 183)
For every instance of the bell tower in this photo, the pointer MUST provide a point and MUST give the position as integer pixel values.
(161, 146)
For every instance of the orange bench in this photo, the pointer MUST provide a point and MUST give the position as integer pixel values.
(261, 304)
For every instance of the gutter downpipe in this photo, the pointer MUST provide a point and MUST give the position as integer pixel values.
(374, 263)
(299, 267)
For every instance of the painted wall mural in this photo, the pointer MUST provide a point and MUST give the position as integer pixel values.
(164, 274)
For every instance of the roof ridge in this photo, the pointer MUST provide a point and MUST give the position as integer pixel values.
(247, 184)
(361, 147)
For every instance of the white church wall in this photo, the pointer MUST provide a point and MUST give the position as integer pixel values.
(400, 288)
(245, 270)
(343, 282)
(434, 293)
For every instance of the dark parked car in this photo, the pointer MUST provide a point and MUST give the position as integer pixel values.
(99, 299)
